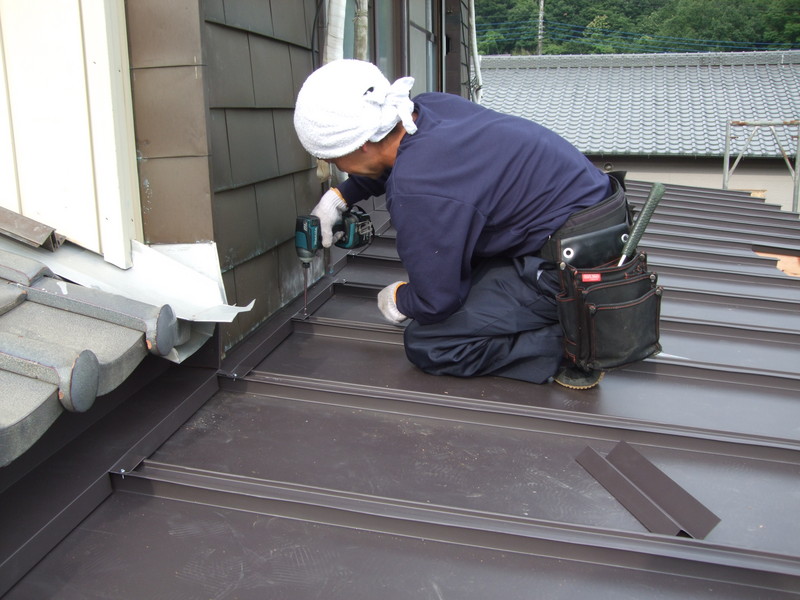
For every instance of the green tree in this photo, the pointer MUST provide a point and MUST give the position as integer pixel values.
(492, 43)
(500, 24)
(601, 26)
(526, 12)
(705, 21)
(782, 20)
(566, 20)
(596, 35)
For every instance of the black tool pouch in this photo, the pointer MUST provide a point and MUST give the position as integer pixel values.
(609, 314)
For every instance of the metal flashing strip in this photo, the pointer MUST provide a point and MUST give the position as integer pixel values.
(648, 493)
(158, 276)
(462, 409)
(249, 353)
(30, 232)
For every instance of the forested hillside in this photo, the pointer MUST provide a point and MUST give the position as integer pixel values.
(623, 26)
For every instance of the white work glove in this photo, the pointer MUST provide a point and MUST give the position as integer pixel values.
(387, 303)
(329, 210)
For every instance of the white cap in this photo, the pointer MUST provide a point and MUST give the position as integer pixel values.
(347, 103)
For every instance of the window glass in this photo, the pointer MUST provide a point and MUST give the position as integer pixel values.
(349, 29)
(384, 35)
(422, 46)
(419, 12)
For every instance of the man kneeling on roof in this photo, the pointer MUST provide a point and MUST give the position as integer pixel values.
(475, 197)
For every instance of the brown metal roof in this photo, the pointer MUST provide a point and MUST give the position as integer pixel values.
(326, 466)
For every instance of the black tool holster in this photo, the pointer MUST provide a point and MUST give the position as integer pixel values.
(609, 314)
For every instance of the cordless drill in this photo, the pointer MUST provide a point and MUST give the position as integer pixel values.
(355, 226)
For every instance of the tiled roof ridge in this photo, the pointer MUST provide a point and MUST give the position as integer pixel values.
(63, 345)
(767, 57)
(75, 372)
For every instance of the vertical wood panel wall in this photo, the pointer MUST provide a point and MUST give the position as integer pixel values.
(66, 126)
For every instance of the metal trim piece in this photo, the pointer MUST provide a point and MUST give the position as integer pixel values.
(33, 233)
(648, 493)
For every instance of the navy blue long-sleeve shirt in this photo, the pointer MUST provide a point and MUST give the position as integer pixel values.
(472, 183)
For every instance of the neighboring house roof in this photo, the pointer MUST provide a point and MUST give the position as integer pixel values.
(651, 104)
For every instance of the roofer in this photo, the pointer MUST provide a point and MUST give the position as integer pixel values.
(476, 198)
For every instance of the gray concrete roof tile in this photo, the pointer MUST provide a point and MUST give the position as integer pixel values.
(29, 408)
(68, 342)
(10, 297)
(682, 100)
(20, 269)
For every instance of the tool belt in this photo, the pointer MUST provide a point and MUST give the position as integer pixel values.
(594, 235)
(609, 314)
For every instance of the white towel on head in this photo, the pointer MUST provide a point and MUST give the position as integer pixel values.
(347, 103)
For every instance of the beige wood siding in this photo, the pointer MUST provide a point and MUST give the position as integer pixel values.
(66, 121)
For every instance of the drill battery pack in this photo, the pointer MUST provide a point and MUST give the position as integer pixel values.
(356, 227)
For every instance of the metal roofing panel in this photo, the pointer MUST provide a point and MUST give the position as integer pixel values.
(327, 463)
(194, 552)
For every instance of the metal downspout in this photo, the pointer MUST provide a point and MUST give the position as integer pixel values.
(334, 38)
(333, 50)
(361, 30)
(476, 59)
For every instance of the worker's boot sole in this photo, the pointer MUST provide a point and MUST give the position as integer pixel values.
(576, 379)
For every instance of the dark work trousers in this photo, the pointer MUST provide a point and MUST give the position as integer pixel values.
(508, 326)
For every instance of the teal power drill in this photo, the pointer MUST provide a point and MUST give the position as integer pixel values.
(355, 226)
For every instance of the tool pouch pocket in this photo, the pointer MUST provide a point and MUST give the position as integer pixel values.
(609, 314)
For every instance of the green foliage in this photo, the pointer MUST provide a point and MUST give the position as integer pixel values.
(620, 26)
(505, 26)
(782, 22)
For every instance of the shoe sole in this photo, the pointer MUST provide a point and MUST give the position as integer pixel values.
(581, 387)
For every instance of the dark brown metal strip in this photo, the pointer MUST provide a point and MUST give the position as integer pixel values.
(692, 516)
(26, 230)
(627, 493)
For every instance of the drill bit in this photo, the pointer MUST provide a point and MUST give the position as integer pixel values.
(305, 290)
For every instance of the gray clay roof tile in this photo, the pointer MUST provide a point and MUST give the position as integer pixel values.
(655, 104)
